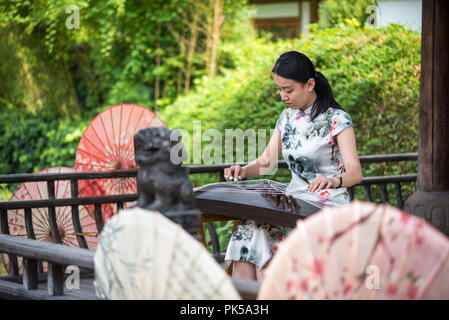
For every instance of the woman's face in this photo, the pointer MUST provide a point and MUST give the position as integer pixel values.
(295, 95)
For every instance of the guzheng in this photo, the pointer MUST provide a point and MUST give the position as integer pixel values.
(261, 200)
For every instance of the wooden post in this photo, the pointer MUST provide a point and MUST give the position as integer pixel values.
(30, 278)
(55, 281)
(431, 201)
(313, 11)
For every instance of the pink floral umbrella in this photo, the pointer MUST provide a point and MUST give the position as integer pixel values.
(108, 144)
(41, 224)
(360, 251)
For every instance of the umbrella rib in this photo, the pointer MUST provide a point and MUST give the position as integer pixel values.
(90, 224)
(120, 186)
(107, 137)
(94, 156)
(98, 136)
(62, 211)
(85, 216)
(39, 229)
(41, 219)
(63, 218)
(42, 215)
(73, 244)
(120, 129)
(112, 126)
(127, 154)
(152, 119)
(67, 185)
(140, 119)
(129, 183)
(102, 152)
(129, 118)
(124, 155)
(93, 144)
(127, 126)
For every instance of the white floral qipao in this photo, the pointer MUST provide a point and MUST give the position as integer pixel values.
(310, 149)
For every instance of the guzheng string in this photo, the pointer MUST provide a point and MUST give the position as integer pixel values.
(261, 186)
(264, 187)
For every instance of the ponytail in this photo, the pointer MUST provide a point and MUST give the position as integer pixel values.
(297, 66)
(325, 97)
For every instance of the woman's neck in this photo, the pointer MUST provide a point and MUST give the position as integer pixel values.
(310, 102)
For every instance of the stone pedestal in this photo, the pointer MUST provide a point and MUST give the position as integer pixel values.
(432, 206)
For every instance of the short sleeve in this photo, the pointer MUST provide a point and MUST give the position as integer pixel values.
(280, 120)
(341, 120)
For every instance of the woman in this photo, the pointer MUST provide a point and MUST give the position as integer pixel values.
(316, 138)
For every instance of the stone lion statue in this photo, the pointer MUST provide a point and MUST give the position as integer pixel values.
(162, 185)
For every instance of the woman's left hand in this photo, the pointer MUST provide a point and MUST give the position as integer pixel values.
(321, 182)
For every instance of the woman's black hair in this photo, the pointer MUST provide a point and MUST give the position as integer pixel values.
(296, 66)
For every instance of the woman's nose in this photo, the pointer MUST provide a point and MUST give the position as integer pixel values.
(284, 97)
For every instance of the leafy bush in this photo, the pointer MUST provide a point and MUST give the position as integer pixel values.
(334, 12)
(30, 141)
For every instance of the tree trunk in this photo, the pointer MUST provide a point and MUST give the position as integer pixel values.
(192, 47)
(209, 25)
(180, 71)
(158, 64)
(218, 20)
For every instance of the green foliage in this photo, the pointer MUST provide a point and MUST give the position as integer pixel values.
(111, 58)
(334, 12)
(30, 142)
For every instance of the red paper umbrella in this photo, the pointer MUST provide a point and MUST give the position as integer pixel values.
(108, 144)
(40, 218)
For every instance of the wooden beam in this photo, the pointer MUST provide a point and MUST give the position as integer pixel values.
(313, 11)
(276, 22)
(433, 174)
(46, 251)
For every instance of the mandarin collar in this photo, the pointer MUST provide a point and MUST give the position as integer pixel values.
(307, 111)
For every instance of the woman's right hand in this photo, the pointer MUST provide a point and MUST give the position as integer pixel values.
(235, 173)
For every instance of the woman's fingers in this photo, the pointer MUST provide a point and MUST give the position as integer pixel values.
(233, 173)
(319, 183)
(236, 172)
(229, 173)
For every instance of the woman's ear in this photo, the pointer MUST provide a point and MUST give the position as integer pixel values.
(310, 84)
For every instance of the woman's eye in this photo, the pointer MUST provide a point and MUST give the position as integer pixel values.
(289, 91)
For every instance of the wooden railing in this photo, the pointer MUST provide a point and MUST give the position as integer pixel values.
(58, 256)
(75, 201)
